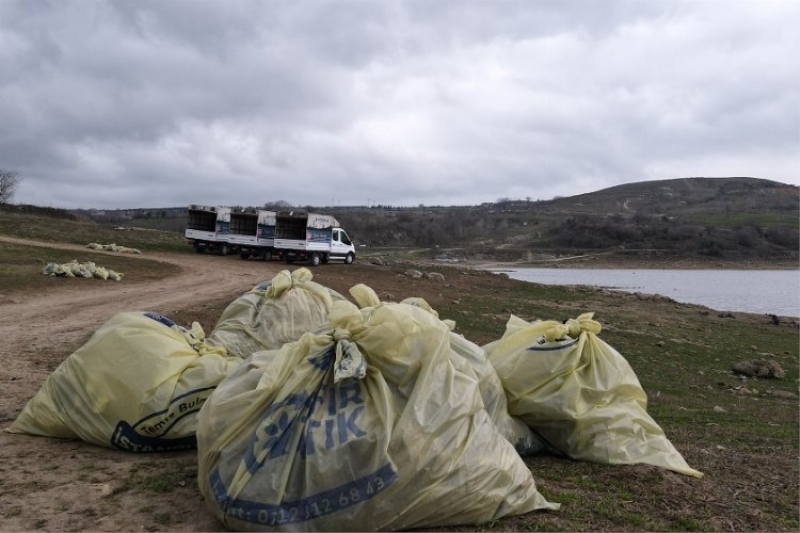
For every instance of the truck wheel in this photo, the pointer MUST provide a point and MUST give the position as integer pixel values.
(223, 250)
(267, 255)
(315, 260)
(199, 249)
(349, 259)
(244, 255)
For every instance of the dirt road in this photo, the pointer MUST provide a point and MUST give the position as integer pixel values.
(54, 485)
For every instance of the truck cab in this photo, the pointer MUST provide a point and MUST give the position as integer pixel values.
(312, 237)
(341, 247)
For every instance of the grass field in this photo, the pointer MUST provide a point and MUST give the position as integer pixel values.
(743, 434)
(31, 226)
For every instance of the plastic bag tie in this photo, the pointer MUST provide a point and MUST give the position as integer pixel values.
(281, 283)
(350, 362)
(345, 318)
(196, 338)
(573, 328)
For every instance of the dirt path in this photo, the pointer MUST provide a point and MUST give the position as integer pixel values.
(56, 485)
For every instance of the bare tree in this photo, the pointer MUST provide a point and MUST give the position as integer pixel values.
(8, 185)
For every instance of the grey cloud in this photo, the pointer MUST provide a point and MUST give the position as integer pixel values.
(152, 103)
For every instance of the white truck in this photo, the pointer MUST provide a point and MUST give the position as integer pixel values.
(252, 233)
(207, 228)
(304, 236)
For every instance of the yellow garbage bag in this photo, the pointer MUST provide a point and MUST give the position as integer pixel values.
(580, 394)
(136, 385)
(273, 313)
(366, 426)
(468, 357)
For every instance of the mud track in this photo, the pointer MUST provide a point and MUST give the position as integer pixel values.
(57, 485)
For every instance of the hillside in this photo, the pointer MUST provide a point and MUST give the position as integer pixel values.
(695, 218)
(698, 219)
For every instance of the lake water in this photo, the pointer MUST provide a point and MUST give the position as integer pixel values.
(751, 291)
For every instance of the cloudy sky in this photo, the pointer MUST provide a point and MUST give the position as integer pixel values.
(123, 103)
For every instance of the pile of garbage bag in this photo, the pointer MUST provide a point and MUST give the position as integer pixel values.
(311, 411)
(273, 313)
(74, 269)
(136, 385)
(470, 358)
(579, 394)
(113, 248)
(365, 424)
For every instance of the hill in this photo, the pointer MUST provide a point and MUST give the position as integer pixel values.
(696, 219)
(693, 218)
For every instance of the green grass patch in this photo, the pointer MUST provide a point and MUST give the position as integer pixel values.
(21, 268)
(44, 228)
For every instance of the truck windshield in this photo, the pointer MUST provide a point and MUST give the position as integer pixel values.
(345, 239)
